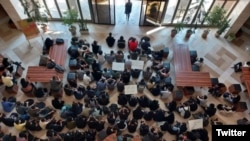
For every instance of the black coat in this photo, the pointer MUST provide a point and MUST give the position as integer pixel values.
(138, 113)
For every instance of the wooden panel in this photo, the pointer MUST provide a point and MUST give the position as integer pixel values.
(182, 60)
(41, 74)
(247, 83)
(59, 53)
(193, 79)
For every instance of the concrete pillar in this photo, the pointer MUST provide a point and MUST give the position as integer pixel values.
(14, 10)
(239, 16)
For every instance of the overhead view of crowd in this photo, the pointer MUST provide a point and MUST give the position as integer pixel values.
(92, 115)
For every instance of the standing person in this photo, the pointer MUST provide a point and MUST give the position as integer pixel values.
(128, 9)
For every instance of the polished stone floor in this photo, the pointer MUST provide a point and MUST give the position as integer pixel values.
(218, 53)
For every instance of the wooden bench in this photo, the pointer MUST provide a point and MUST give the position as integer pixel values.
(245, 78)
(184, 76)
(182, 58)
(193, 79)
(41, 74)
(59, 53)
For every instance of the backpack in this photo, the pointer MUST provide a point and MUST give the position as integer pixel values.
(59, 68)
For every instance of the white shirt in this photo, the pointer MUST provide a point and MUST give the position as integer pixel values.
(100, 59)
(86, 79)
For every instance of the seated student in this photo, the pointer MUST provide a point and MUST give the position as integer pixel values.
(155, 133)
(57, 103)
(132, 44)
(55, 84)
(156, 90)
(124, 112)
(226, 108)
(100, 58)
(111, 118)
(121, 43)
(44, 122)
(110, 58)
(126, 76)
(95, 47)
(210, 110)
(177, 128)
(8, 104)
(111, 84)
(128, 63)
(147, 74)
(199, 62)
(165, 93)
(144, 128)
(218, 89)
(110, 40)
(138, 113)
(231, 98)
(184, 111)
(119, 56)
(157, 64)
(145, 45)
(19, 125)
(135, 54)
(144, 57)
(92, 122)
(202, 101)
(120, 85)
(141, 86)
(87, 78)
(164, 73)
(237, 67)
(132, 125)
(76, 108)
(122, 125)
(27, 86)
(7, 80)
(8, 64)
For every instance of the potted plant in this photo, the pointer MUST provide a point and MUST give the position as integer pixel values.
(214, 19)
(33, 10)
(177, 28)
(83, 26)
(231, 37)
(69, 18)
(224, 25)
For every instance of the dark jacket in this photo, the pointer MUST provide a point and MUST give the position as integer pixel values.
(81, 121)
(57, 104)
(122, 99)
(148, 115)
(133, 101)
(138, 113)
(132, 125)
(110, 41)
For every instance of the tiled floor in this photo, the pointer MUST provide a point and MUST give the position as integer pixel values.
(219, 54)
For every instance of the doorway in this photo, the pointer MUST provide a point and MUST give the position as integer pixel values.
(120, 12)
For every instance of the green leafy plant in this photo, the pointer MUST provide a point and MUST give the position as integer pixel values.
(32, 10)
(70, 17)
(216, 17)
(224, 25)
(179, 26)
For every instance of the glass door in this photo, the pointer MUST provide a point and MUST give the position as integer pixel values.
(153, 12)
(103, 11)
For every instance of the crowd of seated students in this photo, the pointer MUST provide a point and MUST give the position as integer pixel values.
(93, 102)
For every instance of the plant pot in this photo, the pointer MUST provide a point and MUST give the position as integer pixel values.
(173, 33)
(217, 34)
(231, 37)
(84, 31)
(72, 29)
(205, 33)
(188, 33)
(44, 27)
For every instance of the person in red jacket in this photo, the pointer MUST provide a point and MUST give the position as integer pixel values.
(132, 44)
